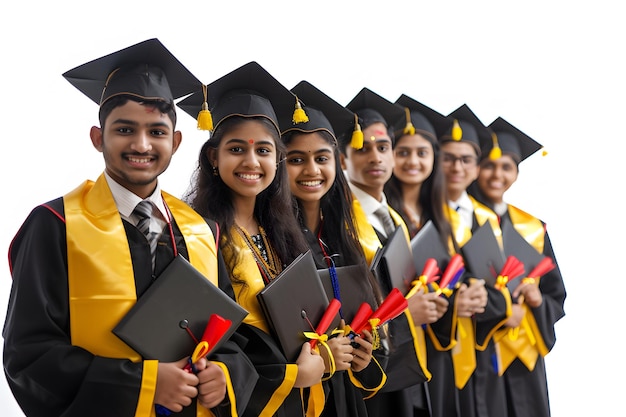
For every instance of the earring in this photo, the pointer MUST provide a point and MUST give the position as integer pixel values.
(215, 172)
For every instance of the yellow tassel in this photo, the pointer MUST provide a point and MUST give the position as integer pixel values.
(299, 115)
(357, 135)
(544, 153)
(205, 120)
(409, 129)
(457, 132)
(496, 152)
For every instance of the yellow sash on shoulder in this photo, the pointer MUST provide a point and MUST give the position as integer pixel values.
(246, 270)
(370, 243)
(367, 235)
(525, 341)
(100, 273)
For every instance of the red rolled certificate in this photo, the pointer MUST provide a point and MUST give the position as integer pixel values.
(327, 319)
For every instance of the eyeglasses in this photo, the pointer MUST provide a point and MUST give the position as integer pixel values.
(465, 160)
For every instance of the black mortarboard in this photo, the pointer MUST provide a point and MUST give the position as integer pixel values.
(354, 289)
(296, 289)
(371, 108)
(483, 255)
(510, 140)
(515, 245)
(465, 126)
(146, 70)
(248, 91)
(180, 301)
(420, 118)
(427, 244)
(323, 112)
(393, 263)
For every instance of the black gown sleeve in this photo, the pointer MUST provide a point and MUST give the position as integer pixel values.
(47, 375)
(553, 292)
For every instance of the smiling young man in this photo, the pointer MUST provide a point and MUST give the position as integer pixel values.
(368, 165)
(81, 261)
(479, 308)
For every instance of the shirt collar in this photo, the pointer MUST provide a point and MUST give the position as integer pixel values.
(368, 203)
(126, 200)
(465, 208)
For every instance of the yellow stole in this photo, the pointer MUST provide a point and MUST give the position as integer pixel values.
(463, 350)
(247, 270)
(101, 279)
(525, 341)
(370, 243)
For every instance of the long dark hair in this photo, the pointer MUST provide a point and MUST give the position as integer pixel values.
(274, 206)
(432, 198)
(339, 230)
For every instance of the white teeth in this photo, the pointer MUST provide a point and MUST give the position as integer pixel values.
(311, 183)
(250, 176)
(139, 160)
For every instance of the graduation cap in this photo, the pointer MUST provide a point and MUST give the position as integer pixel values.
(323, 112)
(465, 126)
(420, 118)
(371, 108)
(174, 308)
(483, 255)
(248, 91)
(510, 140)
(295, 290)
(146, 70)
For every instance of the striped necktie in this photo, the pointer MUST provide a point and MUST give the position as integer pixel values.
(385, 218)
(143, 211)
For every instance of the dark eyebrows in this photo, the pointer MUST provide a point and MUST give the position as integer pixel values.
(317, 152)
(135, 123)
(246, 142)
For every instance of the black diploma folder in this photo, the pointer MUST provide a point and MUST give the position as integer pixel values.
(515, 244)
(427, 244)
(354, 289)
(482, 254)
(296, 289)
(393, 264)
(155, 326)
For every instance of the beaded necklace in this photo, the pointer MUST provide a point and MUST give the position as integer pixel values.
(266, 258)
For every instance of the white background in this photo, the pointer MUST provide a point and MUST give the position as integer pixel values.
(555, 69)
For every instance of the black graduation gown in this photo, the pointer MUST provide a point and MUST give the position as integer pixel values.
(405, 390)
(483, 395)
(50, 377)
(443, 400)
(527, 391)
(344, 399)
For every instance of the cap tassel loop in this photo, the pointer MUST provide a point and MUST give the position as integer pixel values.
(457, 132)
(299, 115)
(495, 152)
(357, 135)
(205, 120)
(409, 129)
